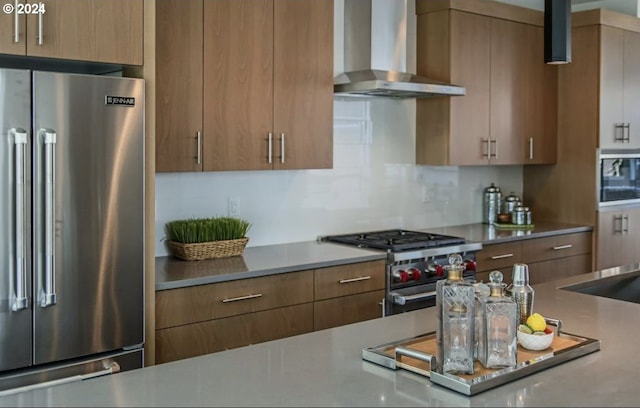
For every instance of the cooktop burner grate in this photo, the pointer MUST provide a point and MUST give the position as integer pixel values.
(396, 240)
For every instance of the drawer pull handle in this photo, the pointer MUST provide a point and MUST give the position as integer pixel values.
(563, 247)
(502, 256)
(362, 278)
(235, 299)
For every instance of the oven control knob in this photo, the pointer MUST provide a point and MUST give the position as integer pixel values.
(439, 270)
(401, 276)
(415, 273)
(470, 265)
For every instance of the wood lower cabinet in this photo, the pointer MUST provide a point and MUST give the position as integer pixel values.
(347, 309)
(348, 294)
(195, 339)
(548, 258)
(204, 319)
(618, 237)
(107, 31)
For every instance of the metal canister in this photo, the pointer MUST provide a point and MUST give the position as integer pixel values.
(509, 203)
(519, 215)
(492, 204)
(521, 292)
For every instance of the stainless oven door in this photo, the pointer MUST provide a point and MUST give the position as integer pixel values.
(411, 298)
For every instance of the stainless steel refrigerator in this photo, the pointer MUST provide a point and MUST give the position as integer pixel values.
(71, 225)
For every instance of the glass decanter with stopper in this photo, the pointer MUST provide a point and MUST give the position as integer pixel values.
(498, 347)
(455, 301)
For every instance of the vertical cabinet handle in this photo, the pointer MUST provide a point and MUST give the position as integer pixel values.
(627, 129)
(281, 147)
(270, 148)
(495, 143)
(40, 31)
(198, 147)
(48, 287)
(619, 131)
(16, 23)
(530, 148)
(617, 221)
(19, 298)
(625, 224)
(488, 149)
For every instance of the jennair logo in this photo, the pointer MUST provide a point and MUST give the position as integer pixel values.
(119, 100)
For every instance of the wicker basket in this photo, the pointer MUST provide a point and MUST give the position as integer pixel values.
(207, 250)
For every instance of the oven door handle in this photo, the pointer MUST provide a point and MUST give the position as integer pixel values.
(399, 299)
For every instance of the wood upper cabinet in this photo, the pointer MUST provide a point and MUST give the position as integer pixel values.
(508, 113)
(619, 88)
(179, 85)
(268, 84)
(107, 31)
(618, 237)
(256, 88)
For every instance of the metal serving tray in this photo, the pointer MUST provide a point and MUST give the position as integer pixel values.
(416, 354)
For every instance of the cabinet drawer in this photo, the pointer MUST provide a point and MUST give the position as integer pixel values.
(559, 246)
(498, 256)
(544, 271)
(216, 335)
(347, 309)
(349, 279)
(204, 302)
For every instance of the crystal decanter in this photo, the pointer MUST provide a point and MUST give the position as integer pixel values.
(500, 321)
(455, 300)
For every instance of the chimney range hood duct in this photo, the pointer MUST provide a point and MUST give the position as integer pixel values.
(375, 50)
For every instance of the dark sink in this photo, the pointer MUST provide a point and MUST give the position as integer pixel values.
(623, 288)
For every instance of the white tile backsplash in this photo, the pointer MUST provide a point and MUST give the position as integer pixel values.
(374, 184)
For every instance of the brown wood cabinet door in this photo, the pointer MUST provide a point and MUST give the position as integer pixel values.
(109, 31)
(509, 75)
(454, 47)
(196, 339)
(539, 91)
(632, 87)
(303, 84)
(178, 85)
(611, 248)
(238, 84)
(9, 24)
(347, 309)
(611, 86)
(540, 272)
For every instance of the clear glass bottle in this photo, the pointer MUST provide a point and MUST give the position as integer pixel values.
(482, 292)
(455, 299)
(500, 322)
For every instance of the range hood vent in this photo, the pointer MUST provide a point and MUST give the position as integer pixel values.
(375, 54)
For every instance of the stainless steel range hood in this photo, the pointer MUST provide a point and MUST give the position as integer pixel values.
(375, 54)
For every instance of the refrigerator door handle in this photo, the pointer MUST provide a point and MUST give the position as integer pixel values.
(48, 291)
(109, 368)
(19, 299)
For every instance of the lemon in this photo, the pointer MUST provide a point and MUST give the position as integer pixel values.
(525, 329)
(536, 322)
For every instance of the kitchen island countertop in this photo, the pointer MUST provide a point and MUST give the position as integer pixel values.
(325, 368)
(172, 273)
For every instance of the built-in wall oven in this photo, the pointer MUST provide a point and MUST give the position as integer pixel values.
(415, 262)
(618, 177)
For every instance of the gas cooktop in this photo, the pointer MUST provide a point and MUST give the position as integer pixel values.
(396, 240)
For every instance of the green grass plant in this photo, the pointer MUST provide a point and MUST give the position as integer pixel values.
(196, 230)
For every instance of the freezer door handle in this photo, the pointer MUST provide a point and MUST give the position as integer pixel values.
(19, 299)
(48, 289)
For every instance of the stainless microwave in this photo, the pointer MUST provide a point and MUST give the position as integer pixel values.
(618, 177)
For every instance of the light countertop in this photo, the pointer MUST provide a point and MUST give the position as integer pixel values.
(325, 368)
(172, 273)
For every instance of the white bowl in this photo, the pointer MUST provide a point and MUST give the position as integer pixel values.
(535, 341)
